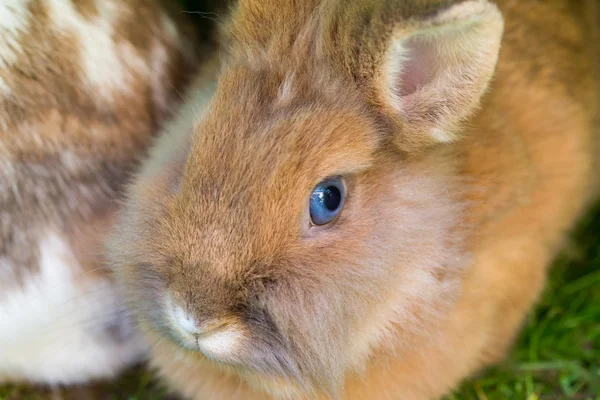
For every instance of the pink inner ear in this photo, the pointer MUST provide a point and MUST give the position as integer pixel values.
(418, 64)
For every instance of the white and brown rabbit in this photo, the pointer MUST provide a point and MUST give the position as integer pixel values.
(357, 209)
(83, 87)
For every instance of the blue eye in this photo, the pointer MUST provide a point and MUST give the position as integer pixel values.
(327, 201)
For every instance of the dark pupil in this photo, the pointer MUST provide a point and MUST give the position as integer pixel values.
(331, 198)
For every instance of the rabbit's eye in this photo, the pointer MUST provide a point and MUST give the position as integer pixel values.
(327, 201)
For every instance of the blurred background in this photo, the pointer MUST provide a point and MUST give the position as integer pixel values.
(556, 357)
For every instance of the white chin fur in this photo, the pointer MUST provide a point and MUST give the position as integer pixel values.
(62, 327)
(219, 345)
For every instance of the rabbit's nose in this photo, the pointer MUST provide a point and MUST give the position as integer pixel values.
(186, 322)
(216, 339)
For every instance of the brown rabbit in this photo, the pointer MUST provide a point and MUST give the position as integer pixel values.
(83, 87)
(359, 211)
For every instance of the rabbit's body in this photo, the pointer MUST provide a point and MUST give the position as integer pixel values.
(452, 216)
(83, 87)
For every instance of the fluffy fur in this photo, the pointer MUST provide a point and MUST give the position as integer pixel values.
(449, 224)
(83, 87)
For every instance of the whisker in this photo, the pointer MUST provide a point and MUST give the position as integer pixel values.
(158, 342)
(213, 16)
(177, 91)
(55, 330)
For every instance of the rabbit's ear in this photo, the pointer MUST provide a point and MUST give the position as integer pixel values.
(428, 67)
(434, 75)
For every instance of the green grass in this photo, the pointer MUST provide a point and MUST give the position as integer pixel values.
(558, 353)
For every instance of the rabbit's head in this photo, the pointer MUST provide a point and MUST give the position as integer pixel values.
(316, 214)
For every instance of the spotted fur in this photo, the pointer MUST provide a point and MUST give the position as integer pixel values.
(84, 85)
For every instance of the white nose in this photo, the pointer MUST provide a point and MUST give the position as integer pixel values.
(218, 343)
(186, 322)
(216, 339)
